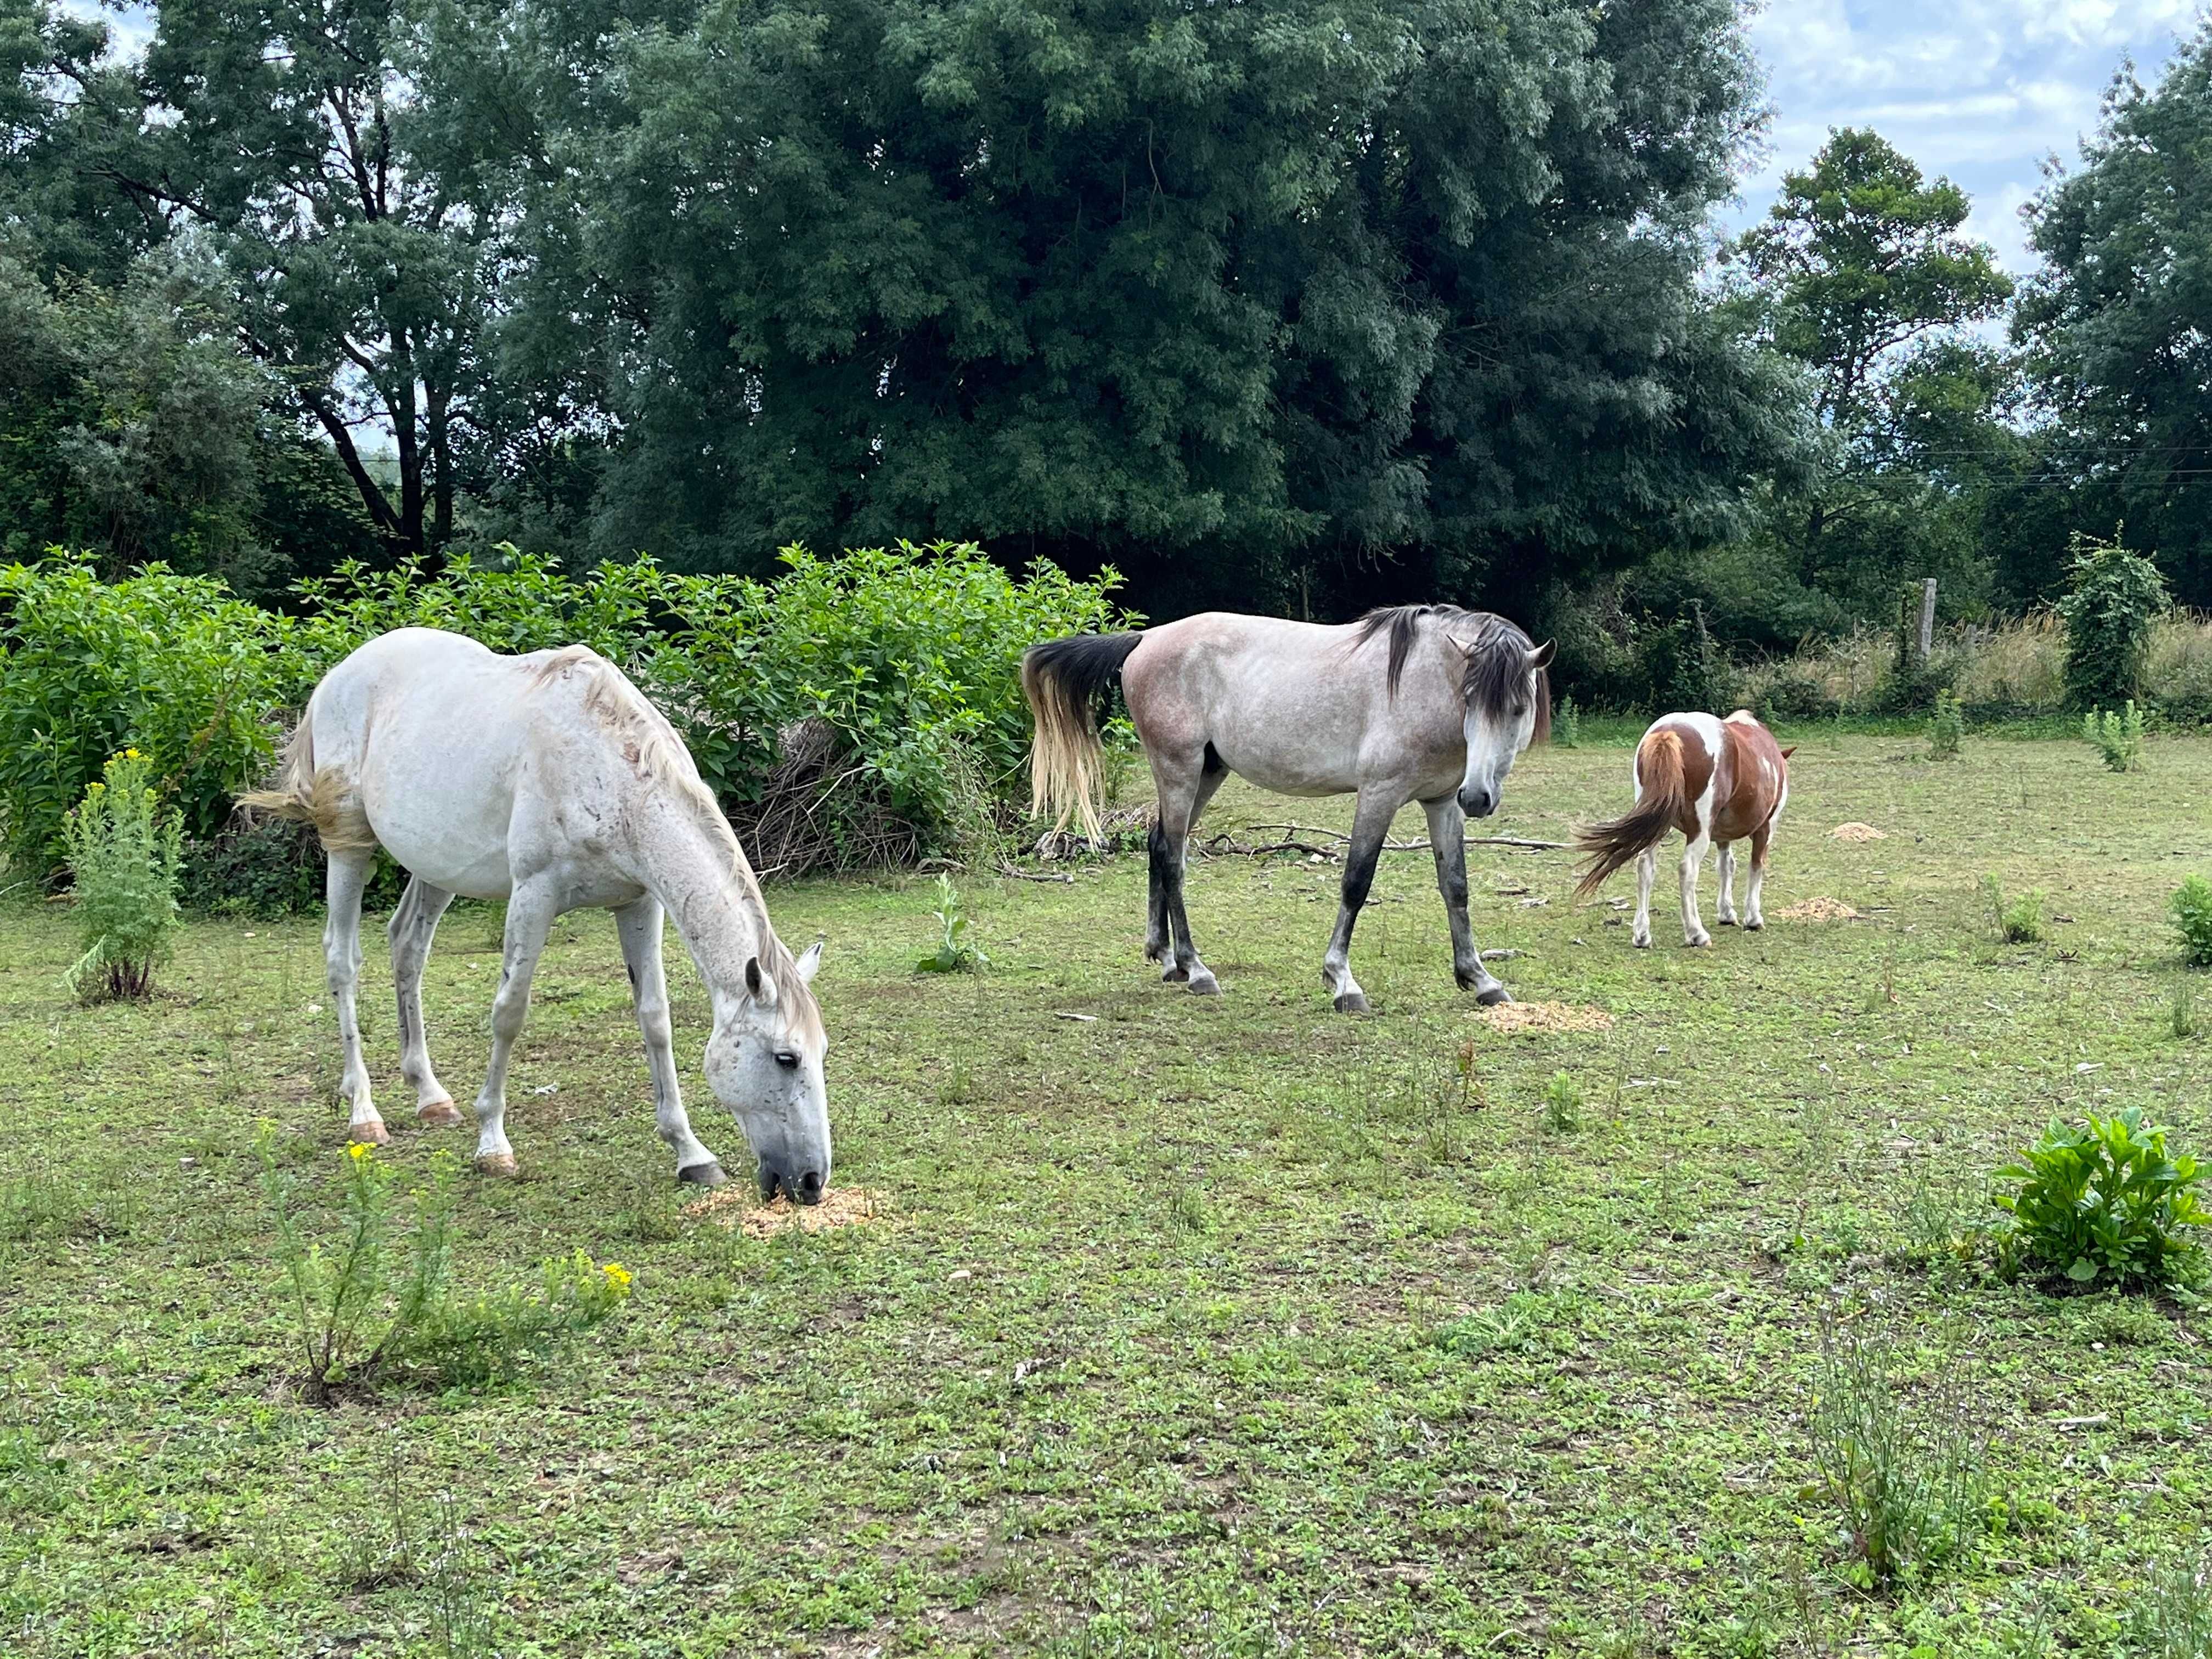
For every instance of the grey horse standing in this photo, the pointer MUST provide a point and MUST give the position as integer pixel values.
(1414, 703)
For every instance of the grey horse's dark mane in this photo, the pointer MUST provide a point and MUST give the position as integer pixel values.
(1497, 656)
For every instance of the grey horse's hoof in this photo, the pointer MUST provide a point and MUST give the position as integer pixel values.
(1203, 984)
(1495, 996)
(1173, 973)
(1351, 1002)
(702, 1175)
(438, 1114)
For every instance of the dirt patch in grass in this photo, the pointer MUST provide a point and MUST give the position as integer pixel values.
(1545, 1017)
(734, 1205)
(1857, 832)
(1818, 909)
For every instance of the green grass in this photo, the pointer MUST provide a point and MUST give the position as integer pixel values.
(1201, 1326)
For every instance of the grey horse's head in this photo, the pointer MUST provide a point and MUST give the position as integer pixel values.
(1507, 686)
(764, 1063)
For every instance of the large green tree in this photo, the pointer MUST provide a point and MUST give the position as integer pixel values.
(2118, 325)
(1245, 299)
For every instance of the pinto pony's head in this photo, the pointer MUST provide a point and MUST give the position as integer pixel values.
(764, 1063)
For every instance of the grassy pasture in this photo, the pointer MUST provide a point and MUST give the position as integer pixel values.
(1148, 1358)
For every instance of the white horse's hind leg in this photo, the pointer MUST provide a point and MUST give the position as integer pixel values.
(1184, 789)
(1693, 859)
(639, 925)
(347, 875)
(529, 919)
(413, 925)
(1647, 872)
(1725, 916)
(1448, 839)
(1370, 823)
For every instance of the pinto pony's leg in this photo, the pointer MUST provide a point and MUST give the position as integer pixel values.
(1725, 916)
(1693, 860)
(1761, 838)
(347, 873)
(529, 920)
(1448, 837)
(1370, 823)
(1647, 872)
(639, 925)
(413, 925)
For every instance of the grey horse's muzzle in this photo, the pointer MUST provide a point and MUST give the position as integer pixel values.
(1477, 802)
(804, 1188)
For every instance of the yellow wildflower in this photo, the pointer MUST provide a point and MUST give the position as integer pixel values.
(617, 1275)
(133, 754)
(357, 1150)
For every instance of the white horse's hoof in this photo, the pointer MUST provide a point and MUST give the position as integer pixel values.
(438, 1114)
(1697, 941)
(369, 1132)
(498, 1164)
(710, 1173)
(1642, 941)
(1351, 1002)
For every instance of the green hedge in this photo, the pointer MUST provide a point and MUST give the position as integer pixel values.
(911, 654)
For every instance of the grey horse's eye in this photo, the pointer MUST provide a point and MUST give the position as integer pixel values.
(787, 1060)
(1519, 709)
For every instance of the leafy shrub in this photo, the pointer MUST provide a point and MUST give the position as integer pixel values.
(2107, 1202)
(1567, 724)
(1947, 729)
(375, 1306)
(2115, 598)
(1902, 1451)
(2016, 921)
(955, 953)
(2117, 737)
(124, 852)
(2190, 911)
(1563, 1104)
(169, 665)
(268, 868)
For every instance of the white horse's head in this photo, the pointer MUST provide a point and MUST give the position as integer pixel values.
(764, 1063)
(1509, 704)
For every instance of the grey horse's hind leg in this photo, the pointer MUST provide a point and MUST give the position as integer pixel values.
(1370, 824)
(1448, 836)
(1185, 786)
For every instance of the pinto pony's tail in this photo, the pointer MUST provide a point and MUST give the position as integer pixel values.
(1066, 680)
(1659, 804)
(305, 796)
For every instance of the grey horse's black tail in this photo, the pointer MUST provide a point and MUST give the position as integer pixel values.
(1066, 682)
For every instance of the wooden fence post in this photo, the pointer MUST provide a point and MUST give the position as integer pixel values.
(1927, 619)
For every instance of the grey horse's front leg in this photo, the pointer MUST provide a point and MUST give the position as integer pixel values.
(530, 913)
(639, 926)
(1448, 836)
(413, 924)
(1370, 824)
(347, 874)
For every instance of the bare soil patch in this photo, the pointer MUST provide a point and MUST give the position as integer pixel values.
(1545, 1017)
(734, 1206)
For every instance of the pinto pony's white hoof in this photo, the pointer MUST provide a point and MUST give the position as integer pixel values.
(438, 1114)
(498, 1164)
(369, 1132)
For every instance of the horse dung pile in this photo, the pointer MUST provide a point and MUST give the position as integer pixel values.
(1545, 1018)
(1818, 909)
(1857, 833)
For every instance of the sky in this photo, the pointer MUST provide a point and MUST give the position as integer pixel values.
(1980, 91)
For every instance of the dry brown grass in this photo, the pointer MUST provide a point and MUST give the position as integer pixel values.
(1818, 909)
(1857, 832)
(734, 1206)
(1545, 1018)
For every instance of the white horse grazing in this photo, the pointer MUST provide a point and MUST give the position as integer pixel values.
(1418, 702)
(549, 780)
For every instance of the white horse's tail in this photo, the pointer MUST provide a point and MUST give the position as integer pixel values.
(1660, 800)
(305, 796)
(1065, 681)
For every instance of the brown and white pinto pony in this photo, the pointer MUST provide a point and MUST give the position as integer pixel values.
(1714, 781)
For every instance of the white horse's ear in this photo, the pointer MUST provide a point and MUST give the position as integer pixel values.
(1541, 658)
(810, 960)
(759, 986)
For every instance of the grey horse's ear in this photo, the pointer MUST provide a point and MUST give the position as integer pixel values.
(759, 986)
(809, 961)
(1541, 658)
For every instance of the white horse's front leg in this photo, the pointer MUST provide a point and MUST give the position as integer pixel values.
(529, 920)
(639, 925)
(413, 924)
(1448, 839)
(347, 874)
(1370, 823)
(1647, 872)
(1726, 914)
(1693, 860)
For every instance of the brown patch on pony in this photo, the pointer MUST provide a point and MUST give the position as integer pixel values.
(1663, 796)
(1752, 775)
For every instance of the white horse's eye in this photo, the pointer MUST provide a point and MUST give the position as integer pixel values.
(787, 1060)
